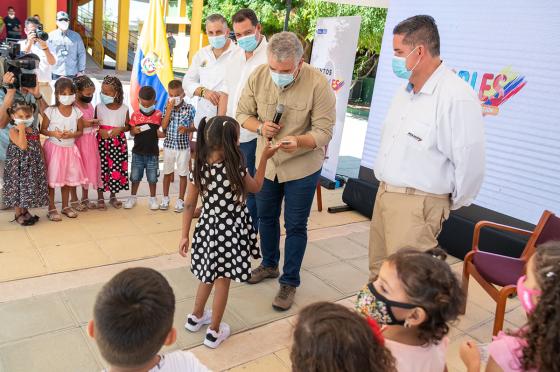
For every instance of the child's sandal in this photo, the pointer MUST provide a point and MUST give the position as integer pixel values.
(78, 206)
(55, 217)
(116, 203)
(101, 205)
(89, 204)
(69, 212)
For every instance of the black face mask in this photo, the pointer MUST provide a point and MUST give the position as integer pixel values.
(86, 99)
(372, 303)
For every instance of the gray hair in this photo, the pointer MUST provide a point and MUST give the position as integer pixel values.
(216, 18)
(420, 29)
(285, 46)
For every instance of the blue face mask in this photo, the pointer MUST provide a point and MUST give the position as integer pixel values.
(105, 99)
(146, 110)
(281, 80)
(399, 66)
(26, 122)
(248, 43)
(217, 42)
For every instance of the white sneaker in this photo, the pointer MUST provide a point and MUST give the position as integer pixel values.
(152, 201)
(179, 206)
(194, 324)
(164, 203)
(214, 339)
(130, 202)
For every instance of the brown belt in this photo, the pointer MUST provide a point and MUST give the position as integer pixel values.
(410, 191)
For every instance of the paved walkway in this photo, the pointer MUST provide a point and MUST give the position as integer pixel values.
(43, 319)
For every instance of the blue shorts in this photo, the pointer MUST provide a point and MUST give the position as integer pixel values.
(148, 162)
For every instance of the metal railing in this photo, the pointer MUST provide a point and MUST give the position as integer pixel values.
(110, 32)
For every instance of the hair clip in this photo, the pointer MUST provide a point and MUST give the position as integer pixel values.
(550, 274)
(224, 123)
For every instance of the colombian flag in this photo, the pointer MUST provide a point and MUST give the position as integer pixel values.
(152, 63)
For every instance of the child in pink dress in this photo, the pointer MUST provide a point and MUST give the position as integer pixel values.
(535, 346)
(415, 297)
(87, 143)
(62, 123)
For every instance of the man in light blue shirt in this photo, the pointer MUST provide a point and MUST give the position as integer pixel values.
(68, 49)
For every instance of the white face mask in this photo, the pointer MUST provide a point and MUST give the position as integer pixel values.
(176, 100)
(63, 25)
(67, 100)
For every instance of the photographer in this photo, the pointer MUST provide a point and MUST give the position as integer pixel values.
(9, 94)
(36, 43)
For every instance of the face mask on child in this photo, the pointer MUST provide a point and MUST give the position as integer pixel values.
(526, 295)
(372, 303)
(85, 99)
(26, 122)
(105, 99)
(146, 110)
(67, 100)
(176, 100)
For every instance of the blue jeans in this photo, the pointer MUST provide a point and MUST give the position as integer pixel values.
(148, 162)
(298, 196)
(249, 149)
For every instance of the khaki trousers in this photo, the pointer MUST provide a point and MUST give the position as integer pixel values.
(403, 220)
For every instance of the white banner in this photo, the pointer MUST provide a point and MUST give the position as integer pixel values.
(512, 62)
(334, 51)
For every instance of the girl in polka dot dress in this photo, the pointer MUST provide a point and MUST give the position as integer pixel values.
(113, 152)
(224, 239)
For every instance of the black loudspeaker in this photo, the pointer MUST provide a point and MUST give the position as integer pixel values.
(360, 195)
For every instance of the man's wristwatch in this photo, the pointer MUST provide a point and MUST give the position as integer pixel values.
(259, 129)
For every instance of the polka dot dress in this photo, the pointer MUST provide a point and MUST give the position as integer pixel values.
(224, 240)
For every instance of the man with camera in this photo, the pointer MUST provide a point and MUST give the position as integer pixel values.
(36, 43)
(10, 92)
(69, 49)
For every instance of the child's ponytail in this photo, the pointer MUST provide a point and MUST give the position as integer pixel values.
(200, 155)
(233, 158)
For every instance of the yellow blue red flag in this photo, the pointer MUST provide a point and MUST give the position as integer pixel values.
(152, 63)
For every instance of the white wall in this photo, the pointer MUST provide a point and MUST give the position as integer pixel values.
(523, 139)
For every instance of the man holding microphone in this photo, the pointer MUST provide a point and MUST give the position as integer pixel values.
(305, 128)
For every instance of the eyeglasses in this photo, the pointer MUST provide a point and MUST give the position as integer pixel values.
(64, 19)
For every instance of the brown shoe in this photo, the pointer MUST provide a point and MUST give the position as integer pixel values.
(285, 298)
(261, 273)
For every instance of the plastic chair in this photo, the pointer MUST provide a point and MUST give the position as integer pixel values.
(498, 274)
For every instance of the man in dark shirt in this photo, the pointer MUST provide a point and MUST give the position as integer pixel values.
(13, 25)
(171, 42)
(145, 125)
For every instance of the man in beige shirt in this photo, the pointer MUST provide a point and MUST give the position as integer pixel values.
(292, 174)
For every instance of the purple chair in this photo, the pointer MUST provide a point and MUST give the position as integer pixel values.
(493, 271)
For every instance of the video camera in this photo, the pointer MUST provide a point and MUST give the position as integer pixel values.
(21, 65)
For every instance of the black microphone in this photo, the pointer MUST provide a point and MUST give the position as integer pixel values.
(277, 115)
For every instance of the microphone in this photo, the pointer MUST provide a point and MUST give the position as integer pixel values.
(277, 115)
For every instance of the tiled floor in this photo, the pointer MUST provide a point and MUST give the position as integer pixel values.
(50, 274)
(96, 238)
(50, 325)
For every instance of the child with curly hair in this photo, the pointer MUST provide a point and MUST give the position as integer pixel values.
(330, 338)
(535, 346)
(415, 296)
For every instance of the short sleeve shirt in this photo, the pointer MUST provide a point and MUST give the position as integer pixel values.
(181, 116)
(146, 142)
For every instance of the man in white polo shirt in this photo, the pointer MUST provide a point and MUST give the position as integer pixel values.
(432, 155)
(244, 60)
(205, 78)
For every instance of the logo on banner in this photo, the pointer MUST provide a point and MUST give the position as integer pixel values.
(150, 64)
(494, 89)
(328, 71)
